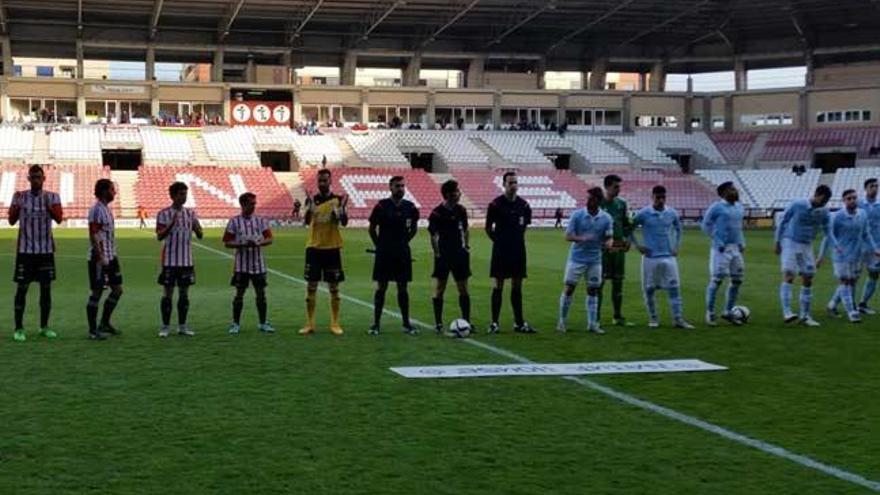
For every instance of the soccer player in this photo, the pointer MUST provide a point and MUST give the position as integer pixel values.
(35, 256)
(871, 205)
(175, 226)
(589, 230)
(794, 242)
(723, 224)
(324, 213)
(507, 218)
(662, 235)
(248, 234)
(393, 223)
(614, 259)
(448, 226)
(103, 263)
(849, 237)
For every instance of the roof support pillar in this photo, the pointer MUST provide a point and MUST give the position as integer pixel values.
(150, 63)
(217, 66)
(598, 74)
(740, 75)
(476, 72)
(658, 77)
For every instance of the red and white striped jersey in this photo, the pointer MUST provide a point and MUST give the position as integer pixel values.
(35, 213)
(101, 222)
(242, 229)
(177, 247)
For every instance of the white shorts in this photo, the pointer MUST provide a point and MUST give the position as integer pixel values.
(871, 261)
(660, 273)
(797, 258)
(727, 263)
(847, 269)
(591, 271)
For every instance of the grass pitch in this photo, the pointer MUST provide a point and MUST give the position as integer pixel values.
(286, 414)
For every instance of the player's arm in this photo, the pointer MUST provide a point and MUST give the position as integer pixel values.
(309, 212)
(434, 234)
(676, 233)
(571, 233)
(490, 222)
(741, 234)
(783, 224)
(374, 224)
(14, 210)
(268, 238)
(633, 239)
(467, 233)
(197, 227)
(163, 229)
(96, 241)
(609, 237)
(229, 236)
(342, 212)
(829, 240)
(708, 222)
(414, 226)
(55, 209)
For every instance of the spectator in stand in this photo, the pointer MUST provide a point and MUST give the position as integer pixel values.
(297, 206)
(563, 129)
(459, 124)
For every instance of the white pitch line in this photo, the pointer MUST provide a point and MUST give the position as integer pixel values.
(632, 400)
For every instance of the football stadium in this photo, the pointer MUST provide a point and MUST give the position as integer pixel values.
(231, 227)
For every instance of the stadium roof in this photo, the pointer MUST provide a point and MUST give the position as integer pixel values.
(692, 35)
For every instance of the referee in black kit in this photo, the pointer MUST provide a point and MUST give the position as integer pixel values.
(393, 223)
(448, 225)
(507, 218)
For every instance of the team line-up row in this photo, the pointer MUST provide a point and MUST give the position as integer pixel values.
(601, 233)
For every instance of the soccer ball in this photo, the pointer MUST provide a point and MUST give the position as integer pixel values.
(459, 328)
(741, 313)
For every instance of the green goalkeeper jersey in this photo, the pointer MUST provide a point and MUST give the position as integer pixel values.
(618, 210)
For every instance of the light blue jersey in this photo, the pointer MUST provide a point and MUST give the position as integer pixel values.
(872, 209)
(596, 228)
(801, 222)
(723, 222)
(848, 236)
(661, 231)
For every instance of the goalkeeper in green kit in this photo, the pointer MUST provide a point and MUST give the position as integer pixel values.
(614, 260)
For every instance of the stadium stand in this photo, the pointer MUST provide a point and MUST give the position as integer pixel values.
(521, 148)
(233, 146)
(654, 146)
(162, 147)
(798, 145)
(376, 147)
(76, 144)
(544, 191)
(852, 178)
(734, 146)
(365, 187)
(311, 150)
(74, 183)
(387, 147)
(125, 136)
(777, 188)
(719, 176)
(214, 191)
(683, 191)
(15, 143)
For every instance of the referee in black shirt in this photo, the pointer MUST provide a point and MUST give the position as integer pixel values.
(507, 218)
(393, 223)
(448, 225)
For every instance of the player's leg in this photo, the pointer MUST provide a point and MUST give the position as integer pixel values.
(110, 304)
(594, 282)
(806, 300)
(672, 283)
(183, 310)
(46, 309)
(736, 269)
(497, 291)
(165, 308)
(237, 302)
(311, 304)
(378, 304)
(618, 262)
(464, 298)
(334, 275)
(437, 302)
(870, 287)
(403, 305)
(573, 273)
(335, 302)
(259, 283)
(718, 268)
(648, 291)
(789, 260)
(520, 324)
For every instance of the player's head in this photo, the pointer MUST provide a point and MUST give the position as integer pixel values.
(105, 190)
(594, 197)
(450, 192)
(324, 176)
(658, 196)
(821, 196)
(728, 192)
(612, 185)
(36, 177)
(177, 192)
(248, 202)
(871, 188)
(850, 199)
(397, 184)
(510, 183)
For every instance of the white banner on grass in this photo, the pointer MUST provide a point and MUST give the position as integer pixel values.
(556, 369)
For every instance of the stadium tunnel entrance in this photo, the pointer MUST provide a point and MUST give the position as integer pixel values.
(829, 160)
(278, 161)
(122, 159)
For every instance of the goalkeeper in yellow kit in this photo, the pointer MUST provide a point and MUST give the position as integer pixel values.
(324, 213)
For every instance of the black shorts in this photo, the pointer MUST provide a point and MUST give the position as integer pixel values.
(324, 264)
(392, 268)
(459, 265)
(34, 268)
(241, 280)
(181, 276)
(509, 265)
(101, 277)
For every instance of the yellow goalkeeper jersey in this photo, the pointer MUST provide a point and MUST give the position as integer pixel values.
(323, 228)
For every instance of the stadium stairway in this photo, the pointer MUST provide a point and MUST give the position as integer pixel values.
(292, 181)
(200, 152)
(495, 160)
(634, 159)
(125, 194)
(41, 148)
(349, 157)
(756, 150)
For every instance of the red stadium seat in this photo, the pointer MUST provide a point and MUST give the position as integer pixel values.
(75, 184)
